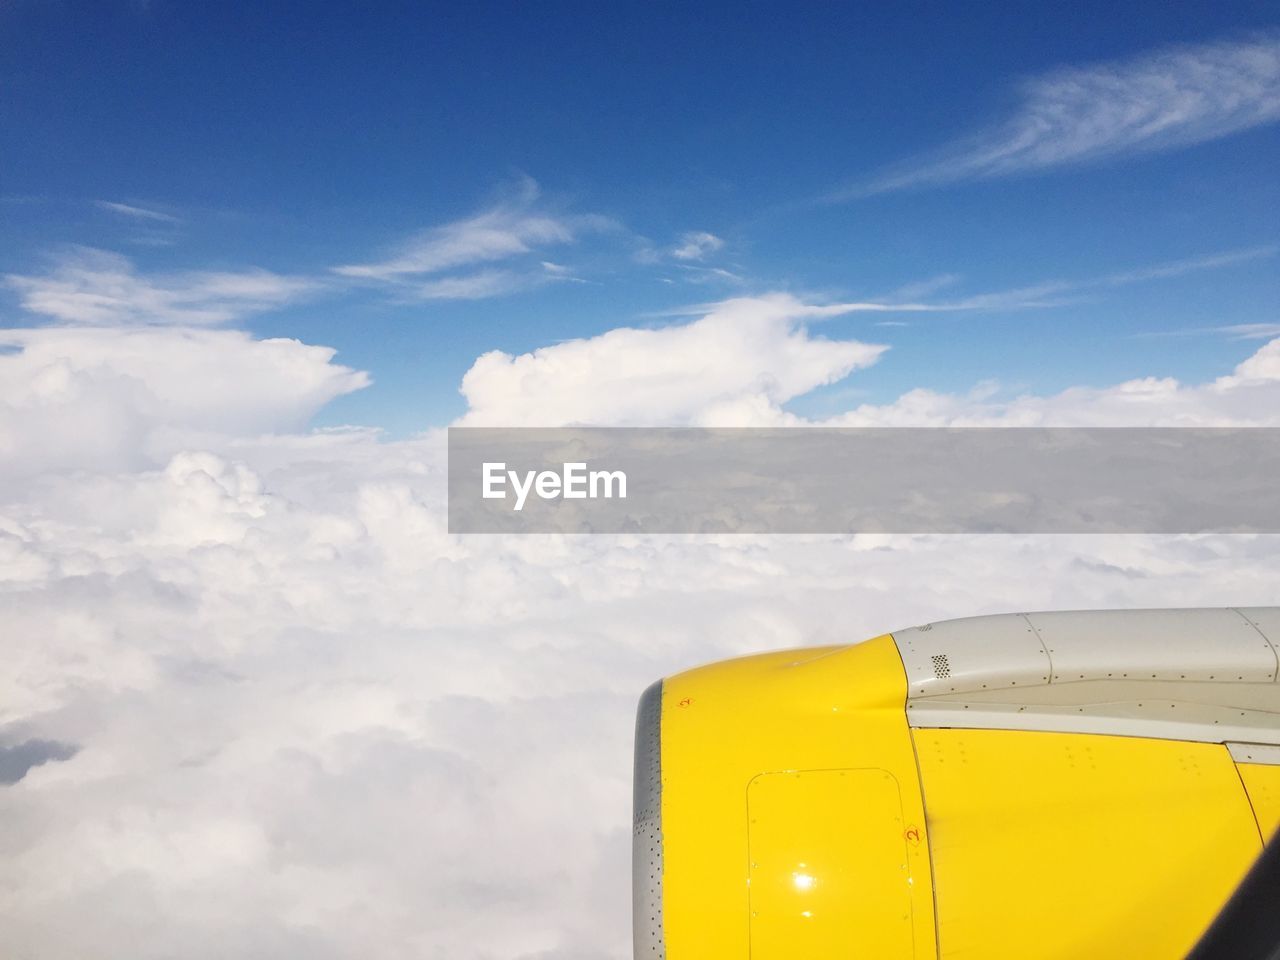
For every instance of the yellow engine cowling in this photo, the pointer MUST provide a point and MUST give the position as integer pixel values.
(791, 807)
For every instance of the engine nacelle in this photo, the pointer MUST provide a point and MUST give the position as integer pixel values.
(1050, 785)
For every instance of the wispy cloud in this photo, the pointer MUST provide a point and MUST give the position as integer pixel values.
(89, 286)
(483, 284)
(1046, 294)
(1251, 331)
(477, 286)
(1058, 292)
(1169, 98)
(135, 213)
(1233, 331)
(695, 274)
(923, 288)
(510, 229)
(689, 254)
(696, 245)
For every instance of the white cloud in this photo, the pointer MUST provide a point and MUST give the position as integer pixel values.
(1262, 369)
(311, 722)
(1248, 396)
(1055, 293)
(135, 213)
(1158, 101)
(300, 719)
(743, 359)
(108, 399)
(88, 286)
(710, 275)
(1234, 331)
(484, 284)
(737, 363)
(696, 245)
(923, 288)
(477, 286)
(1251, 331)
(1041, 295)
(512, 228)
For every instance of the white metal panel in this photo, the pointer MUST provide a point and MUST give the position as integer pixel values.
(1266, 620)
(1264, 753)
(977, 653)
(1159, 719)
(1262, 696)
(1201, 644)
(1207, 675)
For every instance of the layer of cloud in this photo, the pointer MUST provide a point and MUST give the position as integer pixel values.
(310, 722)
(295, 717)
(1158, 101)
(96, 287)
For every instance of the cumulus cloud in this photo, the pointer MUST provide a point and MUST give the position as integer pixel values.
(1260, 370)
(737, 364)
(282, 712)
(89, 286)
(1157, 101)
(513, 228)
(120, 398)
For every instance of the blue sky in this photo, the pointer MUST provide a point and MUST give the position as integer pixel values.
(1078, 196)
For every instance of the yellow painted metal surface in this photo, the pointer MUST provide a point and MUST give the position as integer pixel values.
(829, 872)
(1262, 781)
(1049, 846)
(827, 709)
